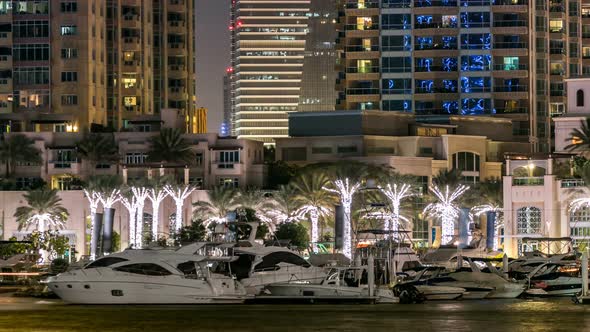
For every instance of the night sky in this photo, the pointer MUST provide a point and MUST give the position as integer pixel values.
(213, 53)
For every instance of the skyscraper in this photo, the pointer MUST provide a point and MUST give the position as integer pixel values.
(502, 58)
(226, 122)
(71, 64)
(318, 92)
(52, 61)
(268, 48)
(151, 62)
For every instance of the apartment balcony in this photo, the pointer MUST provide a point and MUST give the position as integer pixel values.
(510, 92)
(528, 181)
(507, 71)
(362, 95)
(358, 52)
(434, 29)
(131, 22)
(177, 71)
(510, 28)
(509, 6)
(130, 66)
(176, 49)
(444, 10)
(177, 93)
(227, 168)
(511, 111)
(435, 3)
(177, 6)
(55, 167)
(362, 9)
(176, 27)
(362, 31)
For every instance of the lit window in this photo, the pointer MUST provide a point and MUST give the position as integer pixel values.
(69, 30)
(130, 101)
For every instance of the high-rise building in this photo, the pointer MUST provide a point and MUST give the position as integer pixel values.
(503, 58)
(70, 64)
(318, 92)
(151, 58)
(225, 129)
(52, 61)
(268, 49)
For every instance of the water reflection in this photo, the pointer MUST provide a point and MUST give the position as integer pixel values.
(17, 314)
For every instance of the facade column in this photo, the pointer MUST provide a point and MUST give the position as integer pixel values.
(124, 174)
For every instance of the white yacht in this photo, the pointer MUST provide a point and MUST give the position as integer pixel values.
(555, 279)
(150, 277)
(341, 284)
(478, 284)
(258, 266)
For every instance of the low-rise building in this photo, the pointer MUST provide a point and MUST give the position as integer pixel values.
(218, 161)
(474, 145)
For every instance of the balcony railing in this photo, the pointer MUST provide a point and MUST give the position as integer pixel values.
(436, 25)
(528, 181)
(362, 27)
(572, 183)
(359, 48)
(434, 90)
(362, 91)
(509, 2)
(517, 110)
(510, 67)
(401, 91)
(437, 46)
(362, 70)
(518, 23)
(509, 45)
(435, 3)
(435, 68)
(362, 5)
(510, 88)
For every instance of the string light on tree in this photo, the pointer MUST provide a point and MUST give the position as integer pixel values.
(179, 194)
(396, 194)
(130, 204)
(314, 212)
(156, 196)
(446, 209)
(140, 194)
(346, 190)
(93, 198)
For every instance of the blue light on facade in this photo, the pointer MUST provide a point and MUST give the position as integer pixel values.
(449, 64)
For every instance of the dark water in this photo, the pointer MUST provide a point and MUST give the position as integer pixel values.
(18, 314)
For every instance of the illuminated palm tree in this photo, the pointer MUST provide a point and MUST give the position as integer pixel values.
(221, 201)
(315, 201)
(446, 209)
(179, 193)
(43, 211)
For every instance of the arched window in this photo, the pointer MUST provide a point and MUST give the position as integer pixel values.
(528, 220)
(466, 161)
(580, 98)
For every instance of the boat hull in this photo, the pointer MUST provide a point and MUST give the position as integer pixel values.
(440, 293)
(329, 292)
(136, 293)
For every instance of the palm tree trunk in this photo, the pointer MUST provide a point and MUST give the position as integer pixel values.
(139, 229)
(347, 236)
(314, 230)
(132, 233)
(155, 215)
